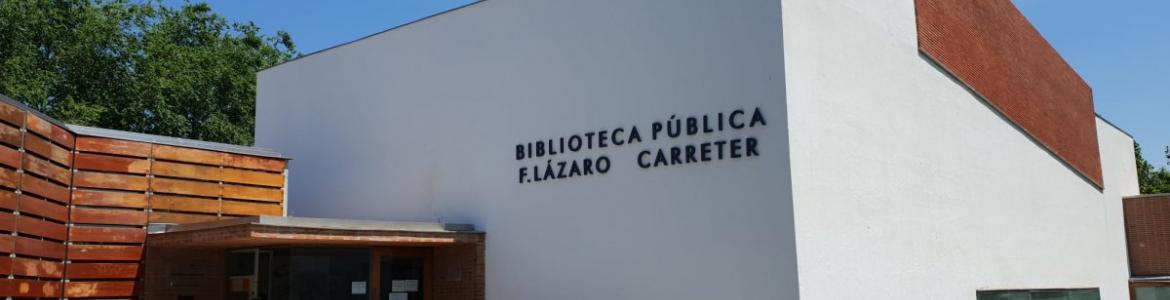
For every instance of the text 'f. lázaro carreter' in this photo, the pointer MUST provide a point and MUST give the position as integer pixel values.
(671, 128)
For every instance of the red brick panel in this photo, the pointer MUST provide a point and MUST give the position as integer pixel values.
(1147, 231)
(994, 50)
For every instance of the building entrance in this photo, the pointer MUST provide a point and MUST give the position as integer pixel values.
(402, 274)
(307, 259)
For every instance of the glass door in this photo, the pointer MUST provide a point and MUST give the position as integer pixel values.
(248, 274)
(402, 274)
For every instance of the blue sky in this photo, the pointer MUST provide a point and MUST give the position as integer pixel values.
(1121, 48)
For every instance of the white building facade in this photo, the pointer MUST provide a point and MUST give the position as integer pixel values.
(754, 149)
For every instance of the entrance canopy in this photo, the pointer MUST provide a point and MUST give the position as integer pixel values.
(271, 231)
(279, 257)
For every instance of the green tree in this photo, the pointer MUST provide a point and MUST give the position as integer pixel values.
(1151, 180)
(137, 65)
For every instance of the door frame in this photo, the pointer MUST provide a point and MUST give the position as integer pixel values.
(426, 253)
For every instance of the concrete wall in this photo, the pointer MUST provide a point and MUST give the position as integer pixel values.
(421, 123)
(908, 186)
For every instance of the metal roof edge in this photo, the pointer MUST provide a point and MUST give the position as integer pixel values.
(1142, 196)
(474, 2)
(8, 100)
(144, 137)
(173, 141)
(328, 223)
(1113, 125)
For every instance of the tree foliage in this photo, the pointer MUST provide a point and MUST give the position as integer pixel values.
(137, 65)
(1151, 180)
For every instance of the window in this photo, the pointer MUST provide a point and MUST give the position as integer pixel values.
(1152, 293)
(1070, 294)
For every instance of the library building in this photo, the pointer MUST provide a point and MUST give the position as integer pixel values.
(560, 149)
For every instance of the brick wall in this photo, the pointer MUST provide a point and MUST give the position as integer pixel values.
(459, 272)
(995, 51)
(1147, 231)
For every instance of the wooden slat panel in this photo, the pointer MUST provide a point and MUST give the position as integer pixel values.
(253, 177)
(109, 198)
(44, 188)
(5, 267)
(108, 216)
(9, 178)
(188, 155)
(63, 136)
(37, 268)
(7, 222)
(104, 253)
(8, 200)
(99, 289)
(11, 136)
(183, 170)
(110, 181)
(252, 162)
(184, 187)
(103, 270)
(7, 243)
(188, 204)
(112, 146)
(28, 288)
(41, 228)
(252, 193)
(11, 114)
(46, 169)
(38, 125)
(9, 157)
(43, 147)
(44, 128)
(37, 206)
(109, 163)
(180, 218)
(251, 209)
(102, 234)
(39, 248)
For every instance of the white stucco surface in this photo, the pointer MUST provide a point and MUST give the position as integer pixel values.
(420, 124)
(908, 186)
(901, 183)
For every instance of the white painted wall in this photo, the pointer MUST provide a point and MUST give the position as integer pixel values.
(420, 123)
(907, 186)
(1120, 164)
